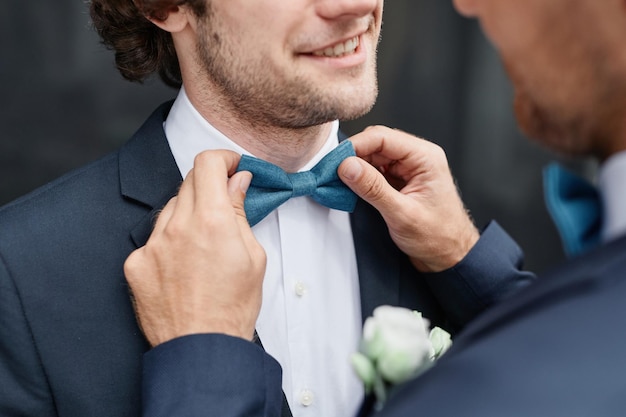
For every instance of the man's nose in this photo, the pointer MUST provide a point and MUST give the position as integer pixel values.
(333, 9)
(466, 7)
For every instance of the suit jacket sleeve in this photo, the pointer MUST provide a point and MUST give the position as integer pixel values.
(490, 272)
(211, 375)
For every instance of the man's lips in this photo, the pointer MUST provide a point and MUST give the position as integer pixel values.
(339, 49)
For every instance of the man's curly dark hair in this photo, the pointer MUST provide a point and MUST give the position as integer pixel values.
(141, 48)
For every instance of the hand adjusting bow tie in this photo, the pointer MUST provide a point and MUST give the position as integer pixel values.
(271, 186)
(575, 207)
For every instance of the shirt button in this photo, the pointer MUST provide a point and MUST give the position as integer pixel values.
(306, 397)
(300, 289)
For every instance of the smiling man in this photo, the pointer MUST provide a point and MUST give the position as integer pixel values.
(263, 78)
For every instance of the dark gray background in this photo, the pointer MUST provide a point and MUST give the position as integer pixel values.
(65, 105)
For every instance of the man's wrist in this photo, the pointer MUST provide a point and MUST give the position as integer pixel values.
(450, 253)
(217, 327)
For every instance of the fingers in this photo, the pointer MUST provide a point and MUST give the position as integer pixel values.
(390, 151)
(408, 180)
(237, 186)
(164, 216)
(211, 172)
(369, 184)
(381, 145)
(202, 269)
(374, 140)
(204, 189)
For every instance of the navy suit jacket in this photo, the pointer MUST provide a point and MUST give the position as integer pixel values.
(557, 348)
(69, 342)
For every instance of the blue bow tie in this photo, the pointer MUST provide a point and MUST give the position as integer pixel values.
(271, 186)
(575, 207)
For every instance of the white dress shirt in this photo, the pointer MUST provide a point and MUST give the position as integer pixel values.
(310, 321)
(612, 186)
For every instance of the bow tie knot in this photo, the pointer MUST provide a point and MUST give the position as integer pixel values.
(271, 186)
(303, 183)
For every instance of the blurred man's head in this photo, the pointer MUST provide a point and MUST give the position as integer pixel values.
(567, 63)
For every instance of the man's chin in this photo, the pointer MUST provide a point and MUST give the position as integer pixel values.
(313, 107)
(547, 135)
(345, 116)
(353, 109)
(342, 109)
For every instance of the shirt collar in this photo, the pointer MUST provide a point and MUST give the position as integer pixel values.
(188, 134)
(611, 180)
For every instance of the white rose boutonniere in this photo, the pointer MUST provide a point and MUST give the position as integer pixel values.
(396, 346)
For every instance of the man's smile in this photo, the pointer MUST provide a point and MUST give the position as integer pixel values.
(340, 49)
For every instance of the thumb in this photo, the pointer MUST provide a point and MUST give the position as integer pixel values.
(237, 187)
(369, 184)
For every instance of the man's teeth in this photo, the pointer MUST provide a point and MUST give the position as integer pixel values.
(341, 49)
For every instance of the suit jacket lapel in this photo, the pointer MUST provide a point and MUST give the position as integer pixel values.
(148, 172)
(377, 262)
(580, 275)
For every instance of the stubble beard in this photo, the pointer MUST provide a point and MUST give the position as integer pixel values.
(549, 127)
(546, 125)
(265, 101)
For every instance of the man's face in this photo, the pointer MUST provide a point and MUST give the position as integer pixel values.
(560, 57)
(292, 63)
